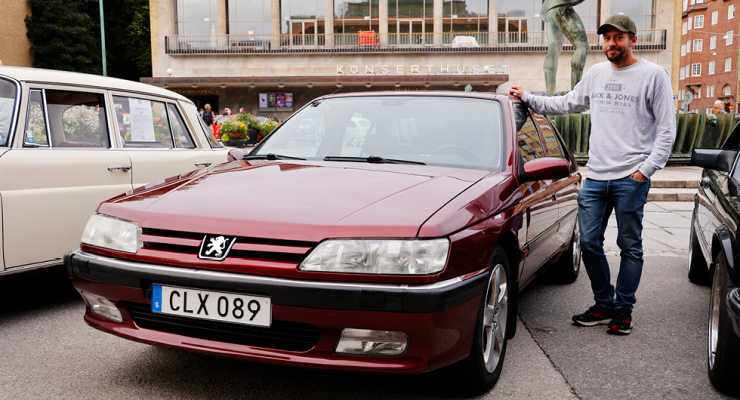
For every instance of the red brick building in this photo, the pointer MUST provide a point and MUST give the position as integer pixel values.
(708, 44)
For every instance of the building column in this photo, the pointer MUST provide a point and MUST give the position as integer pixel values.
(604, 11)
(492, 23)
(383, 21)
(438, 25)
(275, 42)
(329, 22)
(221, 23)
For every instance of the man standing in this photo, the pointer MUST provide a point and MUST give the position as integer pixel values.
(633, 127)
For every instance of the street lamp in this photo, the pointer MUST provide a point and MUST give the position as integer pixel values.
(102, 38)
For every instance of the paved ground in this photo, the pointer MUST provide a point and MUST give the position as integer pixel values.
(48, 352)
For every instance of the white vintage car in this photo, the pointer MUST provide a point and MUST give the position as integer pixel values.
(69, 141)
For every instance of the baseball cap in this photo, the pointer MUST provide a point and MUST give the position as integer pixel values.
(619, 22)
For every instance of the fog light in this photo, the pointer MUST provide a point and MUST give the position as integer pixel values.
(370, 342)
(101, 306)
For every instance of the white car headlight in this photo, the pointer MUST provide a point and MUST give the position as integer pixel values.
(112, 233)
(368, 256)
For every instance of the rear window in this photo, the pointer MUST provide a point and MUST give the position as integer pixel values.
(8, 94)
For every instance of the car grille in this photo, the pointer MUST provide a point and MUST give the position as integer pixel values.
(282, 335)
(245, 248)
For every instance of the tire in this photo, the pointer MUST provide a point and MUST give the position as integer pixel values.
(698, 270)
(723, 346)
(481, 370)
(568, 265)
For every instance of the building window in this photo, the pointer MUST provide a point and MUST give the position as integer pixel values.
(683, 50)
(696, 69)
(712, 42)
(711, 68)
(715, 17)
(731, 11)
(729, 38)
(641, 11)
(251, 18)
(684, 28)
(698, 22)
(698, 45)
(727, 91)
(303, 21)
(688, 46)
(728, 64)
(465, 16)
(196, 17)
(685, 5)
(352, 16)
(690, 19)
(710, 91)
(411, 19)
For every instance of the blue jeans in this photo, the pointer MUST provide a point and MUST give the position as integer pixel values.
(596, 201)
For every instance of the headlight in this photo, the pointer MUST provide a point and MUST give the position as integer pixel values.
(112, 233)
(396, 257)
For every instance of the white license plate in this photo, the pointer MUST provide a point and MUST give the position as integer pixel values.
(207, 304)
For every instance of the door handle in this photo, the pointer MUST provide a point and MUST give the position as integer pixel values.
(121, 169)
(203, 164)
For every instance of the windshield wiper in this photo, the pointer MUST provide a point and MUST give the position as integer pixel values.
(372, 160)
(270, 156)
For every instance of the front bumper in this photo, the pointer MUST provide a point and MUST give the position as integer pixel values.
(438, 318)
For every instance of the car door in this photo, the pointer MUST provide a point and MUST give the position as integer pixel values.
(566, 189)
(10, 96)
(539, 204)
(714, 190)
(155, 135)
(60, 167)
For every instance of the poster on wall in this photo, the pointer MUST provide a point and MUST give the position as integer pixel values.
(276, 101)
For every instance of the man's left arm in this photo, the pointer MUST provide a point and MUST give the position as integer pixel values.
(665, 116)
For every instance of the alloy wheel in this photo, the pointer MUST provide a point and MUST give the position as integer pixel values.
(714, 309)
(495, 317)
(576, 249)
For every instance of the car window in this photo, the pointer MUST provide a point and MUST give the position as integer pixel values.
(192, 113)
(179, 131)
(37, 134)
(142, 123)
(435, 130)
(77, 119)
(552, 144)
(7, 109)
(528, 140)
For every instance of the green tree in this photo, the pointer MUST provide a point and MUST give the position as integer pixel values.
(62, 35)
(127, 38)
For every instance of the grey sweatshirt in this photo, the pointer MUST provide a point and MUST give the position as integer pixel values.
(633, 122)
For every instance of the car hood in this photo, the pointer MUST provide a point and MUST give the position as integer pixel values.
(298, 200)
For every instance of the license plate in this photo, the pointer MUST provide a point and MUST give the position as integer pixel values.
(216, 306)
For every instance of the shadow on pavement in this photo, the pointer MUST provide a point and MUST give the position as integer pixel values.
(35, 291)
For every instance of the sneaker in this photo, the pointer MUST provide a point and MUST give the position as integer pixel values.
(621, 324)
(596, 315)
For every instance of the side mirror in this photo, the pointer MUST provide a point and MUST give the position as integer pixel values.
(720, 160)
(545, 168)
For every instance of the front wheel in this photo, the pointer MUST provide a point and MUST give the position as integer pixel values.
(724, 346)
(483, 366)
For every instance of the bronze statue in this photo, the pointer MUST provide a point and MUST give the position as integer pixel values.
(562, 20)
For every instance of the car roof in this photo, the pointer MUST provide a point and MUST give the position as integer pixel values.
(51, 76)
(421, 93)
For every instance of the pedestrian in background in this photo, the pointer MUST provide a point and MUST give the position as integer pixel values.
(208, 116)
(718, 107)
(632, 134)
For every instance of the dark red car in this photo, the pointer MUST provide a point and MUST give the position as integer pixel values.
(385, 232)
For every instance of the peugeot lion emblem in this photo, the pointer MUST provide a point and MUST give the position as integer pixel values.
(215, 247)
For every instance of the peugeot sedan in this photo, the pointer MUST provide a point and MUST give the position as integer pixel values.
(382, 232)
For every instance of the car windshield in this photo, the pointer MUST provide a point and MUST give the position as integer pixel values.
(7, 108)
(433, 130)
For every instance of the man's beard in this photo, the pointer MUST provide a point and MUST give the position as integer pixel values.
(620, 56)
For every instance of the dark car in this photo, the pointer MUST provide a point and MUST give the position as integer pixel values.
(383, 232)
(713, 255)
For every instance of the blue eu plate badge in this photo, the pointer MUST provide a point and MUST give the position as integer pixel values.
(156, 298)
